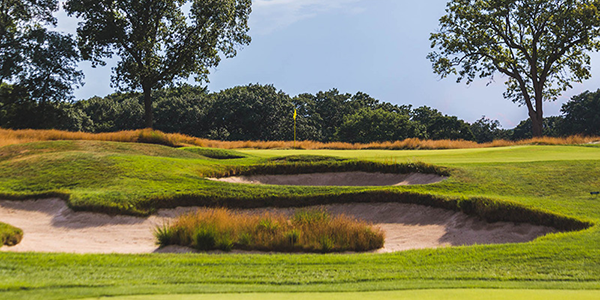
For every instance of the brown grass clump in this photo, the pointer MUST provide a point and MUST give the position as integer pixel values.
(307, 230)
(9, 137)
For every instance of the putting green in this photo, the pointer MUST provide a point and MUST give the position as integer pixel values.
(453, 156)
(458, 294)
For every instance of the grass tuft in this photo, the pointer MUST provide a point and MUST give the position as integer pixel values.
(10, 235)
(306, 231)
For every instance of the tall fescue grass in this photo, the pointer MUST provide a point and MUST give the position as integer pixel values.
(9, 137)
(10, 235)
(307, 230)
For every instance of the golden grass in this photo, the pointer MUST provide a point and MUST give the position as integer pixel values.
(9, 137)
(307, 230)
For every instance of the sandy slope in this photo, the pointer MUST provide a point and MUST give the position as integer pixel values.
(337, 179)
(50, 226)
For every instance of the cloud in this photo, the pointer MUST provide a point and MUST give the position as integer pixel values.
(271, 15)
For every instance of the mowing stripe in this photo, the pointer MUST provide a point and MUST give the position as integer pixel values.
(454, 294)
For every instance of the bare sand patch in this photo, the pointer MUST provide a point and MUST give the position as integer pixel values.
(337, 179)
(50, 226)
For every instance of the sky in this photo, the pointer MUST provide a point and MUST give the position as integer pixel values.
(378, 47)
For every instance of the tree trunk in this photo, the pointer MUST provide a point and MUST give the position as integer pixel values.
(537, 125)
(148, 107)
(537, 116)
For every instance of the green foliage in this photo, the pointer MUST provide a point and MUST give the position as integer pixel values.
(310, 216)
(486, 130)
(10, 235)
(163, 235)
(205, 238)
(581, 114)
(539, 45)
(158, 42)
(379, 125)
(40, 65)
(439, 126)
(553, 126)
(114, 112)
(252, 112)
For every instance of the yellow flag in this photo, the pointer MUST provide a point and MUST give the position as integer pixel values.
(295, 114)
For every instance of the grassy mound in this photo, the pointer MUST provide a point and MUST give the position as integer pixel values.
(215, 153)
(307, 230)
(10, 235)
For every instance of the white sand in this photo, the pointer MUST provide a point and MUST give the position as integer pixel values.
(337, 179)
(50, 226)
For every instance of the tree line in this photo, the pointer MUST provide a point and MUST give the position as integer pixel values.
(261, 112)
(540, 46)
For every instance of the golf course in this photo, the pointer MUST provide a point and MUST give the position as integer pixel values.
(538, 185)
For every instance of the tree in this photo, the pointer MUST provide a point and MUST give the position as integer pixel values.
(377, 125)
(440, 127)
(252, 112)
(35, 64)
(487, 130)
(159, 42)
(539, 45)
(552, 127)
(582, 114)
(330, 109)
(308, 123)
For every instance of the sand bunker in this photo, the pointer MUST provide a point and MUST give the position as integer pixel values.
(50, 226)
(337, 179)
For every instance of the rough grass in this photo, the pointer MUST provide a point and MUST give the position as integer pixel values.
(307, 230)
(10, 137)
(10, 235)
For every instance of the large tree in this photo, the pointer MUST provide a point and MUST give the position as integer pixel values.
(160, 42)
(36, 64)
(540, 45)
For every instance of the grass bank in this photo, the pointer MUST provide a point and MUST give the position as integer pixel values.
(10, 235)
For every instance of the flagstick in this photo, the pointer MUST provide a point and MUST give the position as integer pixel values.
(294, 128)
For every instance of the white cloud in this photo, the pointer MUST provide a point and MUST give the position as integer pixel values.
(270, 15)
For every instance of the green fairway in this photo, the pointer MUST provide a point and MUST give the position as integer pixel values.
(540, 184)
(456, 156)
(455, 294)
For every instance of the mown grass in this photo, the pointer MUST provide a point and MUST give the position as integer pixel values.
(307, 230)
(441, 294)
(553, 182)
(10, 235)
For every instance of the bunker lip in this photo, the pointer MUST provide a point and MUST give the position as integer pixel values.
(50, 226)
(337, 179)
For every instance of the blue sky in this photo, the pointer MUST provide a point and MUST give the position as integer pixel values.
(378, 47)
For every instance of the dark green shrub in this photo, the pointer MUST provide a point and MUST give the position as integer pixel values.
(205, 238)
